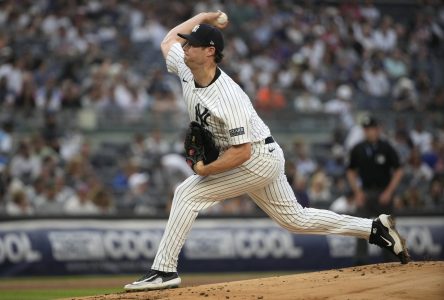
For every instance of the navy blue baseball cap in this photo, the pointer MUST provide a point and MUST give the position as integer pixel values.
(204, 35)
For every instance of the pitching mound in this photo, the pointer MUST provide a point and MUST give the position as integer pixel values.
(419, 280)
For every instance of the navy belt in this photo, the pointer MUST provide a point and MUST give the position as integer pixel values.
(269, 140)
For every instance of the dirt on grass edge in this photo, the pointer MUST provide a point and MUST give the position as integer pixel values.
(416, 280)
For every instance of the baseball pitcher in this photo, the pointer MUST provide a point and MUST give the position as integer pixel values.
(247, 160)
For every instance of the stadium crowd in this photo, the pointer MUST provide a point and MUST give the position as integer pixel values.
(104, 56)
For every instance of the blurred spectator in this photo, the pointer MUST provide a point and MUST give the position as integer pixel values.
(72, 143)
(70, 95)
(103, 201)
(439, 165)
(300, 191)
(164, 99)
(24, 164)
(339, 187)
(78, 171)
(137, 146)
(370, 12)
(401, 125)
(405, 96)
(437, 101)
(403, 145)
(26, 99)
(155, 144)
(417, 173)
(376, 82)
(335, 164)
(385, 36)
(421, 138)
(422, 58)
(80, 203)
(49, 96)
(305, 165)
(7, 95)
(107, 104)
(396, 64)
(48, 202)
(432, 156)
(351, 9)
(41, 149)
(269, 98)
(6, 137)
(312, 51)
(150, 30)
(137, 198)
(363, 35)
(306, 102)
(127, 168)
(434, 198)
(423, 86)
(51, 131)
(345, 204)
(95, 97)
(354, 136)
(19, 205)
(132, 99)
(341, 105)
(13, 70)
(63, 191)
(319, 189)
(49, 169)
(411, 199)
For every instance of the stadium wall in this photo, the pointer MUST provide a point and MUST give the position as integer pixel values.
(60, 247)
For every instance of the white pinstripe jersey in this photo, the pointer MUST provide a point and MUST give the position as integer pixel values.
(222, 107)
(227, 112)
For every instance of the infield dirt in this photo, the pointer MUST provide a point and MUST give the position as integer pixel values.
(418, 280)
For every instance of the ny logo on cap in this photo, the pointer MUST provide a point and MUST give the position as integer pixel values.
(195, 28)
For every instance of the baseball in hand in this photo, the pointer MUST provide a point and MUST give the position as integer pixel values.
(222, 19)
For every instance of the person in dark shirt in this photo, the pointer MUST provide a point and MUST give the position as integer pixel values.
(374, 173)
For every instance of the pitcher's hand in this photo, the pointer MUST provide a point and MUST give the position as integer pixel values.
(211, 18)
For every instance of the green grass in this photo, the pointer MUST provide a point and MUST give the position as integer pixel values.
(63, 277)
(51, 287)
(10, 287)
(53, 294)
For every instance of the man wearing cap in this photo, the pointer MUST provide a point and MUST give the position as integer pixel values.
(374, 173)
(250, 161)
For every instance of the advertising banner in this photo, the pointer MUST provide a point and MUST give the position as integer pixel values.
(55, 247)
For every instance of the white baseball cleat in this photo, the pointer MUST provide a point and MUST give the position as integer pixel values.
(385, 235)
(154, 280)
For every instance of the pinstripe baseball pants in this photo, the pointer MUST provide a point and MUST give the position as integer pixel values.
(262, 178)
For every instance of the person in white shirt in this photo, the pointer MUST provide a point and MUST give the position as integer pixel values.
(80, 203)
(307, 102)
(376, 82)
(345, 204)
(341, 105)
(19, 205)
(421, 138)
(385, 36)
